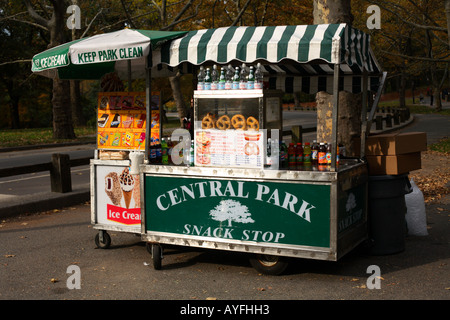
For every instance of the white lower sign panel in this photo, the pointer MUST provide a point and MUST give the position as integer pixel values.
(117, 197)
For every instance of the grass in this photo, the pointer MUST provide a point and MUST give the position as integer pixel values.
(442, 146)
(25, 137)
(414, 108)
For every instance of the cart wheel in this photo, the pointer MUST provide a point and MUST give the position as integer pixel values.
(267, 264)
(106, 240)
(157, 256)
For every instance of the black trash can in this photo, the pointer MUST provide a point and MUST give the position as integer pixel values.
(387, 210)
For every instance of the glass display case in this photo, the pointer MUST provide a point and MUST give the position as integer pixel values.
(229, 127)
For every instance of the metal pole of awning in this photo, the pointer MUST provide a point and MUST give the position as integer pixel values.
(334, 125)
(129, 75)
(364, 114)
(148, 101)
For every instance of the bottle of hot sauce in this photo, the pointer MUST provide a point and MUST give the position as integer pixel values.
(291, 156)
(299, 155)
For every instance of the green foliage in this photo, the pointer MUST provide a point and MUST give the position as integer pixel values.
(443, 146)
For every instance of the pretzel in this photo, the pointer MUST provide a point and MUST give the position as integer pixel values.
(252, 123)
(208, 121)
(251, 148)
(223, 123)
(238, 122)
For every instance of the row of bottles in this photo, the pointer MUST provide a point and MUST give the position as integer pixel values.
(162, 153)
(306, 156)
(230, 78)
(293, 157)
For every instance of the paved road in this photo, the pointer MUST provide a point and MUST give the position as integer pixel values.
(40, 181)
(436, 126)
(37, 250)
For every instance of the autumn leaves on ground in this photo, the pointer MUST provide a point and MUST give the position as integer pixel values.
(433, 178)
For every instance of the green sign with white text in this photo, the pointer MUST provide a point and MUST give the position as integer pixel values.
(245, 210)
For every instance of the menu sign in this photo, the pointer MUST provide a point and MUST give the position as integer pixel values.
(122, 120)
(229, 148)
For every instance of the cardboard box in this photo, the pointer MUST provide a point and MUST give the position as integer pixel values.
(396, 143)
(395, 164)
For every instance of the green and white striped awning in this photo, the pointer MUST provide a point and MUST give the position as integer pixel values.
(301, 57)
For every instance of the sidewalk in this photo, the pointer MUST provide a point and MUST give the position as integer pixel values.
(13, 205)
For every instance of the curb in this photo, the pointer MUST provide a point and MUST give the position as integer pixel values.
(44, 201)
(394, 128)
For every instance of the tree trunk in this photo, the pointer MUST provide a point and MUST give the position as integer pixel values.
(14, 107)
(75, 97)
(447, 13)
(349, 119)
(75, 103)
(402, 89)
(332, 11)
(178, 97)
(62, 117)
(14, 104)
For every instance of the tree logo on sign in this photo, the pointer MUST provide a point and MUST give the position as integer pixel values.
(231, 211)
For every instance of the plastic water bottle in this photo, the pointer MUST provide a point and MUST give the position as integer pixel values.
(229, 78)
(208, 79)
(222, 79)
(251, 79)
(201, 79)
(283, 155)
(191, 162)
(258, 77)
(236, 79)
(214, 78)
(243, 78)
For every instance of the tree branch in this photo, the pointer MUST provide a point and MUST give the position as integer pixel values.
(421, 26)
(34, 24)
(241, 13)
(177, 20)
(128, 15)
(39, 20)
(90, 23)
(15, 61)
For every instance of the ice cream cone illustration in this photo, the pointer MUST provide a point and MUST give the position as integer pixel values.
(127, 185)
(112, 188)
(137, 192)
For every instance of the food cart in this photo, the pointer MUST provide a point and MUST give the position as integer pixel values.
(128, 121)
(237, 198)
